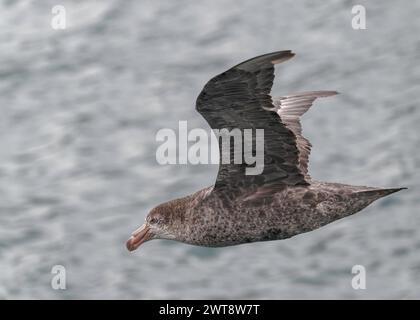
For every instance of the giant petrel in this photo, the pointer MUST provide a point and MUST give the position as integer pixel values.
(282, 201)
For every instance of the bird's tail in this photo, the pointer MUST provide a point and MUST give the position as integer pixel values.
(365, 196)
(379, 193)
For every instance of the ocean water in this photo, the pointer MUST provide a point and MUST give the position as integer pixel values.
(80, 109)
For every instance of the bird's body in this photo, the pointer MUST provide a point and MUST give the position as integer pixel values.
(213, 219)
(279, 202)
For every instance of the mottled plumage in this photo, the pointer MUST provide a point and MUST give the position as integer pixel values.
(279, 203)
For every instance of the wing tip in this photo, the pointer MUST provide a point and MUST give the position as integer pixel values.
(314, 94)
(325, 93)
(281, 56)
(275, 57)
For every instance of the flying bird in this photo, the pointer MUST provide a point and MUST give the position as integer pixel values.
(280, 202)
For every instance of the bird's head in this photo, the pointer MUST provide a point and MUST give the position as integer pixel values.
(158, 225)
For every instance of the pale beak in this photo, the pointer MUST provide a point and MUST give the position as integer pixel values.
(138, 237)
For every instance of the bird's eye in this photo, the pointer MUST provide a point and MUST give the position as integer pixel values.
(153, 220)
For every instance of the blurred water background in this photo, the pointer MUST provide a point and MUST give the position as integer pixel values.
(80, 108)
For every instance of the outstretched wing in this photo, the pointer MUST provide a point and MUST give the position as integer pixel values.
(240, 98)
(290, 108)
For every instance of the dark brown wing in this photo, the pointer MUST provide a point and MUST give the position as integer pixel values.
(240, 98)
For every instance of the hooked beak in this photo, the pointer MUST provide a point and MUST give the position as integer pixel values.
(138, 237)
